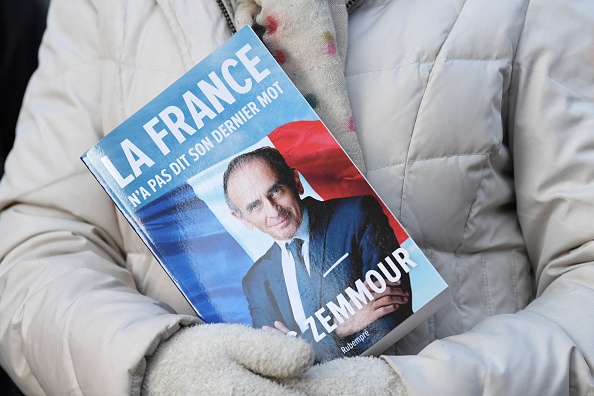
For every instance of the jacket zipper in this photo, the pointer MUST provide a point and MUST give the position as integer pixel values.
(350, 4)
(227, 16)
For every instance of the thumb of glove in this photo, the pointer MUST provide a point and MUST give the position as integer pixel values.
(225, 359)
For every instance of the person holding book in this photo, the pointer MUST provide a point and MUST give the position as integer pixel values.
(472, 120)
(321, 248)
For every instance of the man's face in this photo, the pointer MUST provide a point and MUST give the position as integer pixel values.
(263, 201)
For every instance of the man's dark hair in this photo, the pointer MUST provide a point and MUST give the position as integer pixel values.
(273, 157)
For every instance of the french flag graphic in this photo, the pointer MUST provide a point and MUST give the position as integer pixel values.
(208, 251)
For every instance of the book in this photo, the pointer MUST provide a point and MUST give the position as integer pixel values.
(258, 215)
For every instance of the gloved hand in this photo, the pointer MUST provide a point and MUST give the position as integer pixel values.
(348, 377)
(214, 359)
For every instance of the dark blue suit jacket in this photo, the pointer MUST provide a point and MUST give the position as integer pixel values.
(354, 225)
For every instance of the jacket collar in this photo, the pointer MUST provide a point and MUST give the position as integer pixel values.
(181, 16)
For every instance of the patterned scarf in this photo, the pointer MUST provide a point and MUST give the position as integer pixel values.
(309, 38)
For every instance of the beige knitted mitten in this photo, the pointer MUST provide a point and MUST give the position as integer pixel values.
(235, 359)
(309, 40)
(225, 359)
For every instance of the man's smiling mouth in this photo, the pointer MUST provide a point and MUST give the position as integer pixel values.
(282, 223)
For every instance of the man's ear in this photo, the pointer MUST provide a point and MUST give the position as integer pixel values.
(300, 188)
(246, 223)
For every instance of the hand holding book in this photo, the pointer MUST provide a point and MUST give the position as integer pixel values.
(214, 359)
(233, 365)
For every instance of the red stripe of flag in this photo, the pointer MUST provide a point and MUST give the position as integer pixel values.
(309, 148)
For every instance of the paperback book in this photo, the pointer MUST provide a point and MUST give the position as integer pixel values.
(258, 215)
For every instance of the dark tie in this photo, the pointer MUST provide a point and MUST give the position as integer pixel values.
(304, 283)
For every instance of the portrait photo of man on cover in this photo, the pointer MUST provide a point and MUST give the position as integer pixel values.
(320, 249)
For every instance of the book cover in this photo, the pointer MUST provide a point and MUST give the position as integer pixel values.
(258, 215)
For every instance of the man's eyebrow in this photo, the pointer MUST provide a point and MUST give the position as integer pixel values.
(252, 205)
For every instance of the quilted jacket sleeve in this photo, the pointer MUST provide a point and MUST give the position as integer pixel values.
(71, 320)
(548, 348)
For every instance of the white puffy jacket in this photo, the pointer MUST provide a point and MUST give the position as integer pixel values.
(476, 120)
